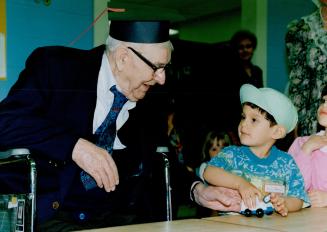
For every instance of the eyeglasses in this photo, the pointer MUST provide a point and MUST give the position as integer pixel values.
(154, 67)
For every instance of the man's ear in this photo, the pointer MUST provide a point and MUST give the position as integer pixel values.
(279, 132)
(121, 57)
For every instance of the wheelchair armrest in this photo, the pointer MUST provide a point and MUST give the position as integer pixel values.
(15, 152)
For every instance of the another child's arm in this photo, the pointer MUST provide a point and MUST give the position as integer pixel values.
(283, 205)
(219, 177)
(318, 198)
(313, 143)
(302, 159)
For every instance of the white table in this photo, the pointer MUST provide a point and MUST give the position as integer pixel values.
(310, 219)
(306, 220)
(187, 225)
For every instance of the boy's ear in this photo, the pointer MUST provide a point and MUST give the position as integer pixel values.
(279, 132)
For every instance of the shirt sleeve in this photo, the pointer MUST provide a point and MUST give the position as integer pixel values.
(296, 56)
(300, 74)
(24, 113)
(302, 160)
(199, 171)
(223, 159)
(295, 183)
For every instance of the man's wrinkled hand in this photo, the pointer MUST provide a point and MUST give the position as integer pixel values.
(217, 198)
(98, 163)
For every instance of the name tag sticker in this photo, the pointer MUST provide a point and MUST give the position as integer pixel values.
(274, 188)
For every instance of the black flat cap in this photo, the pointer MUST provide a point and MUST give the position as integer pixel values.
(145, 31)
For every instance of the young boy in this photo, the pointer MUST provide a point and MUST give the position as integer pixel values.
(258, 168)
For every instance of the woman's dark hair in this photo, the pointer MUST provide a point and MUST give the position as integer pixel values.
(241, 35)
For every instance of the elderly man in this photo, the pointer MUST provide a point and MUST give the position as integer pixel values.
(76, 111)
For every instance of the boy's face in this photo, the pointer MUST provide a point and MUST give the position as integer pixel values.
(254, 129)
(322, 112)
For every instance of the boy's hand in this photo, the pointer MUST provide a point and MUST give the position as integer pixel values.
(279, 204)
(249, 193)
(317, 198)
(314, 142)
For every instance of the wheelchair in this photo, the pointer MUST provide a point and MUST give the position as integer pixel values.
(18, 210)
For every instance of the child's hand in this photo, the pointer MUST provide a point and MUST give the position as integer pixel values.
(249, 193)
(279, 204)
(318, 198)
(314, 142)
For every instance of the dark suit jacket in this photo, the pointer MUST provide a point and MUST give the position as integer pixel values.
(52, 105)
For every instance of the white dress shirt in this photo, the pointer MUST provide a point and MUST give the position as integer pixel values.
(105, 99)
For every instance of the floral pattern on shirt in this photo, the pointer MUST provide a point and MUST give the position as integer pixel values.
(306, 48)
(278, 168)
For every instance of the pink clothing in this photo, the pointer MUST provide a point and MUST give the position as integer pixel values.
(313, 166)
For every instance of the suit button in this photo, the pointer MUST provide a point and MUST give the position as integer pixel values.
(81, 216)
(54, 164)
(55, 205)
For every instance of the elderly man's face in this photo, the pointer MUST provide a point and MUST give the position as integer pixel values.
(139, 75)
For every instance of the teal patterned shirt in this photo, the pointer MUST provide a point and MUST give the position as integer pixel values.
(278, 168)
